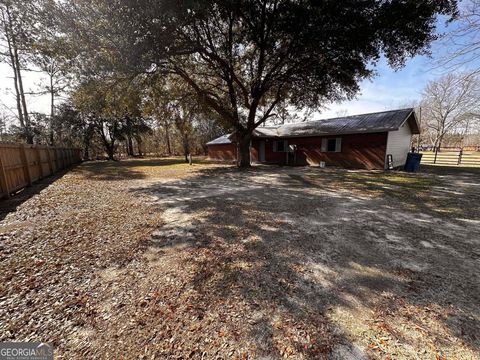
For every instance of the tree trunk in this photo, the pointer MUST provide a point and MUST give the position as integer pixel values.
(167, 138)
(440, 140)
(108, 144)
(52, 110)
(129, 145)
(243, 150)
(129, 136)
(110, 151)
(13, 63)
(186, 148)
(86, 149)
(86, 153)
(139, 145)
(28, 127)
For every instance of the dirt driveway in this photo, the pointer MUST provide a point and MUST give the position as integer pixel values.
(155, 260)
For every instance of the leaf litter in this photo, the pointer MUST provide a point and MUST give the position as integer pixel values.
(91, 265)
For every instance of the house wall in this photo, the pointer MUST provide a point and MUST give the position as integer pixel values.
(357, 151)
(222, 152)
(398, 144)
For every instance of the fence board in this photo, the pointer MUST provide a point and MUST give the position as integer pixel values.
(21, 164)
(452, 156)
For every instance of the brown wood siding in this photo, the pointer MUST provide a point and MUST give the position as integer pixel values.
(222, 152)
(358, 151)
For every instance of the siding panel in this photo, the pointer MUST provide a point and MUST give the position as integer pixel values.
(398, 144)
(357, 151)
(222, 152)
(365, 151)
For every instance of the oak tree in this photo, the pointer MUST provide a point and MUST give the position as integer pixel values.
(246, 59)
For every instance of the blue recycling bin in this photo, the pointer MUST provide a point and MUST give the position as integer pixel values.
(413, 162)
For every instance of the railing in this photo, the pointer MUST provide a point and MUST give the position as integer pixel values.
(451, 156)
(21, 164)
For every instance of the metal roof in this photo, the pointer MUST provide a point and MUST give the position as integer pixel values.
(366, 123)
(356, 124)
(266, 131)
(224, 139)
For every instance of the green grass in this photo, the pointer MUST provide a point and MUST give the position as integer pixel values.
(449, 169)
(413, 182)
(376, 183)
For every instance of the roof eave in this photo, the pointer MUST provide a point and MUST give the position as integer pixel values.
(327, 134)
(414, 123)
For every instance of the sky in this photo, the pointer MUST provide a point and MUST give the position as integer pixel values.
(32, 81)
(389, 89)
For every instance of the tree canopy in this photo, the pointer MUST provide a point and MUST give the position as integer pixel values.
(247, 59)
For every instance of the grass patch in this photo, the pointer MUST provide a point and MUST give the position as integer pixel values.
(396, 185)
(450, 169)
(400, 180)
(134, 169)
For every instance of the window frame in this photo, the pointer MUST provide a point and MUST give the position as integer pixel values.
(331, 145)
(326, 141)
(284, 145)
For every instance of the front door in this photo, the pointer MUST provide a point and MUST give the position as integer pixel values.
(261, 150)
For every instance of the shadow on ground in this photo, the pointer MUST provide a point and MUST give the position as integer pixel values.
(315, 261)
(10, 205)
(450, 170)
(135, 169)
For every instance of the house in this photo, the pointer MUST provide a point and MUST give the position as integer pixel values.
(358, 141)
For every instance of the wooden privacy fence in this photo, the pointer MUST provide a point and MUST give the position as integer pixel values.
(467, 156)
(22, 164)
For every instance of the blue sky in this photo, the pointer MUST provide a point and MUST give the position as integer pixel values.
(392, 89)
(389, 89)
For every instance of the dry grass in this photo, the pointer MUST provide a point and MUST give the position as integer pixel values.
(148, 168)
(157, 259)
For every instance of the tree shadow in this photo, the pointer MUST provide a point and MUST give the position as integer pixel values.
(287, 251)
(133, 169)
(11, 204)
(110, 170)
(449, 170)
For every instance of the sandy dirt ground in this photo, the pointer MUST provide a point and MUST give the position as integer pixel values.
(155, 259)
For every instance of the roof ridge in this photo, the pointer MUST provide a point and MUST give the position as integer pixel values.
(334, 118)
(387, 120)
(364, 114)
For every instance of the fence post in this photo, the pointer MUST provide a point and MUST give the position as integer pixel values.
(436, 152)
(49, 157)
(3, 179)
(26, 165)
(62, 157)
(460, 156)
(39, 159)
(55, 153)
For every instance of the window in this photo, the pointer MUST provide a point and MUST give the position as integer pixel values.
(332, 145)
(280, 146)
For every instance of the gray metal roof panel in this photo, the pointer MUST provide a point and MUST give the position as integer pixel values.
(265, 131)
(224, 139)
(355, 124)
(365, 123)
